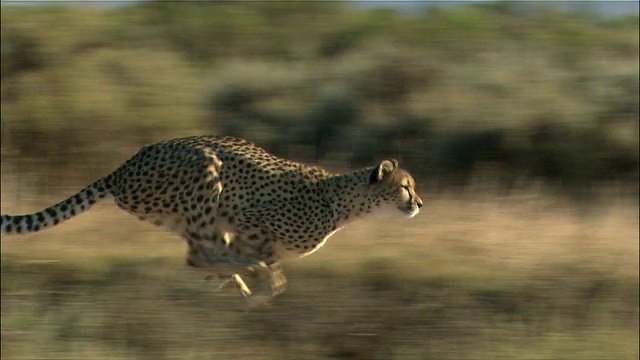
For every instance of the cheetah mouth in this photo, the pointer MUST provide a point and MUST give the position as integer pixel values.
(410, 210)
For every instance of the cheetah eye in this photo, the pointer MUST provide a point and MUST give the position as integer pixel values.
(405, 186)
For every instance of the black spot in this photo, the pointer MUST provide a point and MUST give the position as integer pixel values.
(52, 212)
(64, 207)
(40, 217)
(16, 221)
(9, 228)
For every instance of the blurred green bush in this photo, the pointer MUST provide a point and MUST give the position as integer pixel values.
(532, 91)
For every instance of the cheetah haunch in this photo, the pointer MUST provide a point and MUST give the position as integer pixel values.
(240, 208)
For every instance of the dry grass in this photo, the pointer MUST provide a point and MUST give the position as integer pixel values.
(523, 276)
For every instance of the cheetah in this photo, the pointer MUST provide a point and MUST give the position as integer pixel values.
(240, 209)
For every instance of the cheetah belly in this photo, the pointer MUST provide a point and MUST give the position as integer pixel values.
(171, 221)
(319, 244)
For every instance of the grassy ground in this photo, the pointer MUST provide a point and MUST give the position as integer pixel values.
(517, 277)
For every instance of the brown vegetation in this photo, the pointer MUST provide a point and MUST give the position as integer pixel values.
(524, 276)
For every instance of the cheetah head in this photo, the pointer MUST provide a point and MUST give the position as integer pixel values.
(395, 188)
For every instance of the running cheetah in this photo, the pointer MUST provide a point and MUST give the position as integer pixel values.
(240, 209)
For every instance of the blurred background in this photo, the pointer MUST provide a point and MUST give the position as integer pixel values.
(519, 121)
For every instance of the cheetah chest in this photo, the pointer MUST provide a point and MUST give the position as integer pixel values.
(300, 249)
(318, 245)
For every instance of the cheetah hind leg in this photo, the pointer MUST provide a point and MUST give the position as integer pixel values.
(225, 269)
(230, 269)
(226, 282)
(233, 281)
(229, 280)
(229, 274)
(267, 282)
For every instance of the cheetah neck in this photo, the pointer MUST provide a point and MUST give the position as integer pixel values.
(348, 195)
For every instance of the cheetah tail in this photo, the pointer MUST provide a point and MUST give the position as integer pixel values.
(55, 214)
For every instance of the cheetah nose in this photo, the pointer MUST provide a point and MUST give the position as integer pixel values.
(419, 203)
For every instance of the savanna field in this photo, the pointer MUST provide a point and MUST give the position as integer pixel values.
(519, 122)
(517, 277)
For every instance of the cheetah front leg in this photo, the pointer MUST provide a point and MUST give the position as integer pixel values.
(269, 280)
(276, 279)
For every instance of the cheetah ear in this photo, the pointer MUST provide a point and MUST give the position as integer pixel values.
(385, 167)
